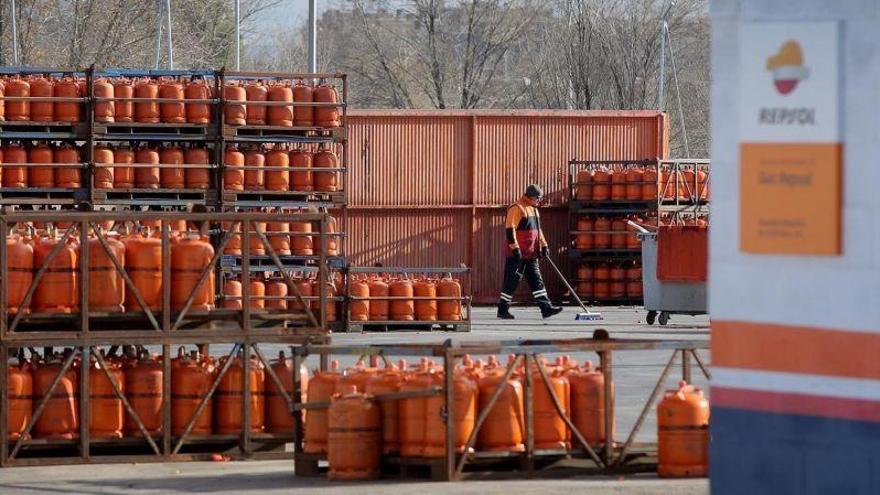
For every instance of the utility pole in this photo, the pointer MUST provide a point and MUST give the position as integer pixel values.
(168, 34)
(14, 35)
(313, 37)
(237, 9)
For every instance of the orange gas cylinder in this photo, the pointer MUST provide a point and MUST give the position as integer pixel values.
(67, 176)
(60, 418)
(635, 175)
(108, 415)
(301, 245)
(303, 116)
(359, 304)
(276, 288)
(666, 185)
(191, 379)
(106, 285)
(601, 277)
(618, 238)
(632, 239)
(198, 113)
(229, 396)
(583, 185)
(143, 262)
(466, 395)
(277, 180)
(41, 176)
(356, 376)
(332, 245)
(197, 178)
(326, 116)
(551, 432)
(190, 256)
(305, 289)
(504, 428)
(233, 247)
(172, 112)
(588, 402)
(233, 175)
(257, 294)
(103, 176)
(103, 110)
(68, 111)
(143, 389)
(450, 309)
(316, 304)
(256, 114)
(683, 433)
(402, 309)
(20, 264)
(123, 177)
(147, 177)
(301, 180)
(42, 111)
(702, 185)
(649, 184)
(411, 413)
(123, 110)
(325, 181)
(618, 185)
(617, 288)
(253, 179)
(279, 237)
(601, 185)
(14, 176)
(425, 309)
(584, 240)
(171, 177)
(321, 388)
(146, 112)
(256, 245)
(18, 109)
(58, 290)
(280, 115)
(585, 282)
(232, 294)
(234, 112)
(21, 398)
(278, 416)
(602, 235)
(379, 307)
(687, 184)
(355, 437)
(388, 381)
(634, 281)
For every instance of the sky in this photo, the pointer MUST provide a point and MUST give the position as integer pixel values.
(290, 11)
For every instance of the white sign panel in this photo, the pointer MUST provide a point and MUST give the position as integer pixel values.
(789, 80)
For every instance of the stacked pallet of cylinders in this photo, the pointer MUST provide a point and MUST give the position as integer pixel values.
(283, 138)
(401, 297)
(604, 252)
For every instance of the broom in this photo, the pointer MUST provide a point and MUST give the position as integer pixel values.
(586, 315)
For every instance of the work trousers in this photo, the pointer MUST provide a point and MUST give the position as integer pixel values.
(514, 270)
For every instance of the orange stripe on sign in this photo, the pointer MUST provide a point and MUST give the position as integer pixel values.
(814, 351)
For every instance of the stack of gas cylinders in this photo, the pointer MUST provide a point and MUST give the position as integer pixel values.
(597, 281)
(111, 104)
(139, 379)
(400, 298)
(244, 168)
(600, 233)
(64, 164)
(40, 86)
(271, 292)
(261, 103)
(684, 184)
(356, 431)
(616, 183)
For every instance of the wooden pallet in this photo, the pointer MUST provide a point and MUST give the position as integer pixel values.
(152, 132)
(268, 133)
(160, 197)
(258, 199)
(42, 196)
(43, 130)
(232, 263)
(408, 326)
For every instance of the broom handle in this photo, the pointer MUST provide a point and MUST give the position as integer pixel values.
(564, 281)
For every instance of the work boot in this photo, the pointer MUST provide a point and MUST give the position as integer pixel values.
(548, 310)
(504, 311)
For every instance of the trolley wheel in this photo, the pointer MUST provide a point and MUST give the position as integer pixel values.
(664, 318)
(649, 319)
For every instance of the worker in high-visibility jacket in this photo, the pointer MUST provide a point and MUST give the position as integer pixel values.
(525, 245)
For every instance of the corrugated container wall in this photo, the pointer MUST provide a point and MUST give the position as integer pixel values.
(430, 188)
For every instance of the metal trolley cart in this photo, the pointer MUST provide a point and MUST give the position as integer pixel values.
(663, 299)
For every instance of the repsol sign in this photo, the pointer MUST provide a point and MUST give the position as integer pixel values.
(787, 116)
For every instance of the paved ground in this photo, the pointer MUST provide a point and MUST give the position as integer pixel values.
(635, 375)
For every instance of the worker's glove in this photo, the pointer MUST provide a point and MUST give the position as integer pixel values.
(544, 253)
(517, 254)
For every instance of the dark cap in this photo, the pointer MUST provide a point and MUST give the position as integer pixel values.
(534, 191)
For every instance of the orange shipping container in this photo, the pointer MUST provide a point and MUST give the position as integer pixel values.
(682, 253)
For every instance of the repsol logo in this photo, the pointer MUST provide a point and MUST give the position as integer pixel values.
(787, 116)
